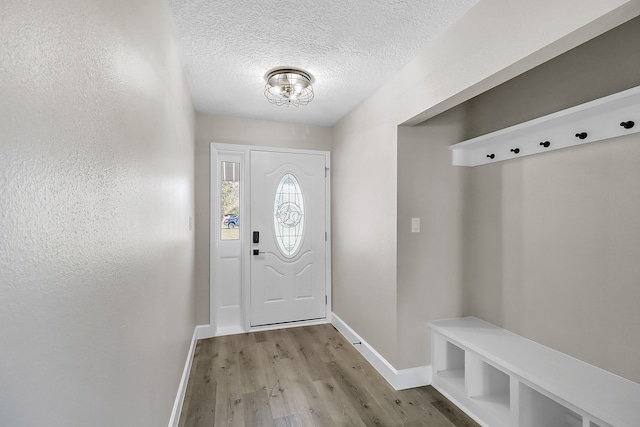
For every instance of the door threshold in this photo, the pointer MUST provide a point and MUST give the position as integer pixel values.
(285, 325)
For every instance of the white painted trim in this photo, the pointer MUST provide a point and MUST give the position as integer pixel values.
(182, 386)
(399, 379)
(229, 330)
(413, 377)
(328, 284)
(244, 233)
(217, 154)
(213, 234)
(205, 331)
(231, 315)
(247, 148)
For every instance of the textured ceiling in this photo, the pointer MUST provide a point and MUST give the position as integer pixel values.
(350, 48)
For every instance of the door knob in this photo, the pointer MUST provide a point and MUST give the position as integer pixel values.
(258, 252)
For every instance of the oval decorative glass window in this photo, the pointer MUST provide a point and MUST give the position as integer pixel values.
(288, 215)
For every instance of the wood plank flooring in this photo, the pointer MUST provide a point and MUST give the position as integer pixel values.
(305, 376)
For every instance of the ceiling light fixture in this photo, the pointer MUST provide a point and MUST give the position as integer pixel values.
(288, 86)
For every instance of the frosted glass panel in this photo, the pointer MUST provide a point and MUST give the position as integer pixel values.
(288, 215)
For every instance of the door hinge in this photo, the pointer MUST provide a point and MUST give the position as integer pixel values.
(325, 236)
(326, 300)
(326, 172)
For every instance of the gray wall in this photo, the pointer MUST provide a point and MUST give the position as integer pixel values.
(430, 264)
(545, 245)
(552, 240)
(364, 248)
(233, 130)
(470, 57)
(96, 178)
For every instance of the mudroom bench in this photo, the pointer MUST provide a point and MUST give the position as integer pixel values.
(502, 379)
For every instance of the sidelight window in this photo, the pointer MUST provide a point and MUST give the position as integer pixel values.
(229, 201)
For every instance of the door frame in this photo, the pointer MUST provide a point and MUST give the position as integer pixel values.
(245, 246)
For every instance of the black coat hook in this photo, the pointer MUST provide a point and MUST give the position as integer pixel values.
(545, 144)
(627, 125)
(515, 150)
(581, 135)
(491, 156)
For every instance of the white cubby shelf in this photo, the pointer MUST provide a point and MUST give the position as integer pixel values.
(600, 119)
(501, 379)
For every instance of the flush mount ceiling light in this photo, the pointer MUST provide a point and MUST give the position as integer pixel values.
(288, 86)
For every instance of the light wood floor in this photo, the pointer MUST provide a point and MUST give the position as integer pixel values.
(306, 376)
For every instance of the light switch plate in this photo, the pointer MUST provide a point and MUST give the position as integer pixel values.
(415, 225)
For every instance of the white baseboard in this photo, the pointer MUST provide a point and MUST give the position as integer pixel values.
(205, 331)
(399, 379)
(413, 377)
(182, 387)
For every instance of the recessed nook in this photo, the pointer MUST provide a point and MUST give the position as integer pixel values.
(508, 380)
(489, 387)
(537, 410)
(450, 366)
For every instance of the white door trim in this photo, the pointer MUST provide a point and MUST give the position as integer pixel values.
(245, 232)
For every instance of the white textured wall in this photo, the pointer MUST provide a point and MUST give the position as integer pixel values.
(495, 41)
(235, 130)
(96, 188)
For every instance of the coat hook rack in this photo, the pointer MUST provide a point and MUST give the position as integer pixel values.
(592, 121)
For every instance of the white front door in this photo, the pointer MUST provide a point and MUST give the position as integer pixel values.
(288, 249)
